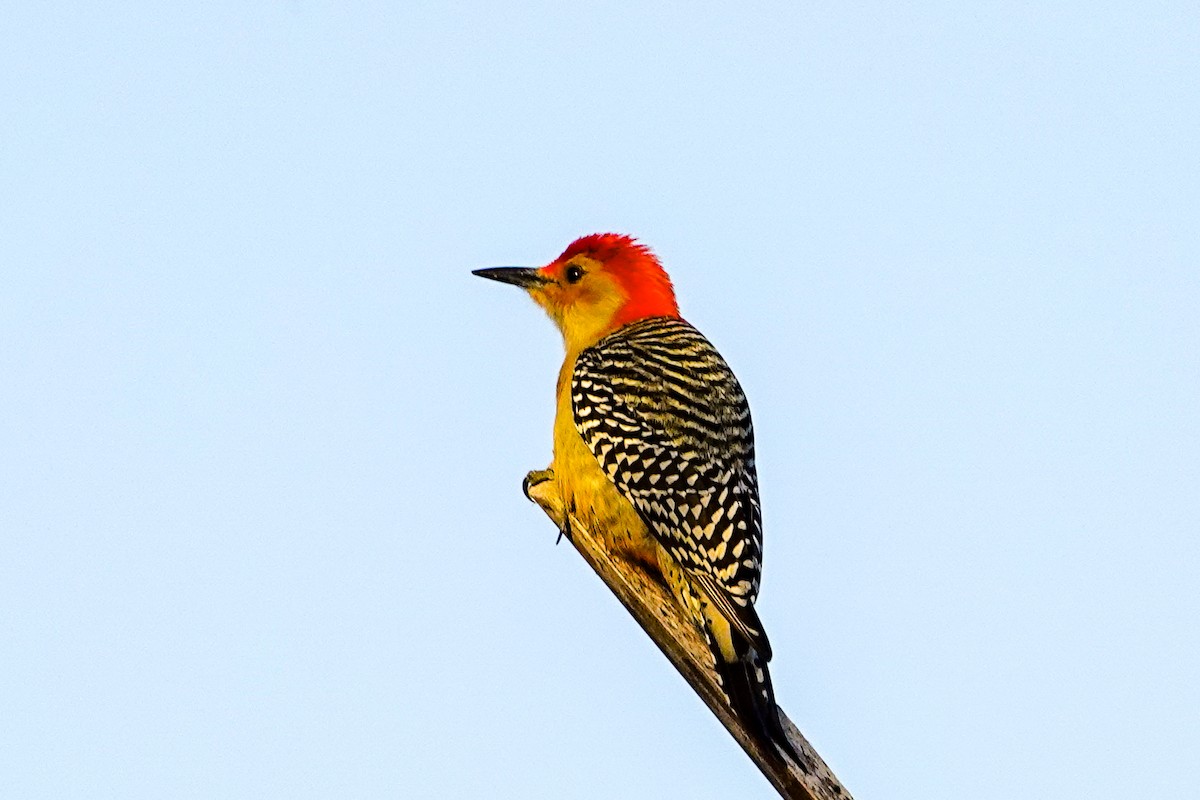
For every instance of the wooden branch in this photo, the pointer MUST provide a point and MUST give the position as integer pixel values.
(648, 600)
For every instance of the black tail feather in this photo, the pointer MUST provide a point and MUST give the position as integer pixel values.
(747, 684)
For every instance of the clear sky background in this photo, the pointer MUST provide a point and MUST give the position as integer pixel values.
(262, 434)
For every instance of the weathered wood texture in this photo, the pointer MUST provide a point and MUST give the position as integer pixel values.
(650, 604)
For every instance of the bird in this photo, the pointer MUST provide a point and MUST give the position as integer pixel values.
(654, 451)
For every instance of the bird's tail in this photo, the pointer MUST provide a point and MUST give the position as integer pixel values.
(747, 685)
(740, 651)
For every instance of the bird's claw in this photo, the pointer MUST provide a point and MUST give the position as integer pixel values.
(565, 530)
(533, 479)
(536, 478)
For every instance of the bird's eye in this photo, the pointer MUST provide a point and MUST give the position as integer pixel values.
(574, 273)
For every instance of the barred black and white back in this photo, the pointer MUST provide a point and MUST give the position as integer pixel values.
(669, 423)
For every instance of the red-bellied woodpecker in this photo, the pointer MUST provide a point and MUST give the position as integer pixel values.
(654, 449)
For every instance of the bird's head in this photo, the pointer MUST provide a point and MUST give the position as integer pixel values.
(598, 284)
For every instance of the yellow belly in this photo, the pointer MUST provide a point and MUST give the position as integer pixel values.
(599, 506)
(590, 495)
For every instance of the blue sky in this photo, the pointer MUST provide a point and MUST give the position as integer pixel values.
(261, 532)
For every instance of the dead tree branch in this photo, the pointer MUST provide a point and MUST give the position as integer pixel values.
(653, 608)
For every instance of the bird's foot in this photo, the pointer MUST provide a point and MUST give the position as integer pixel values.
(552, 504)
(534, 478)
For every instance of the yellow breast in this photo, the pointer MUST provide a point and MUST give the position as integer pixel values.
(588, 492)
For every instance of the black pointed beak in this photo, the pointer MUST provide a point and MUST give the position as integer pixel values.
(524, 277)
